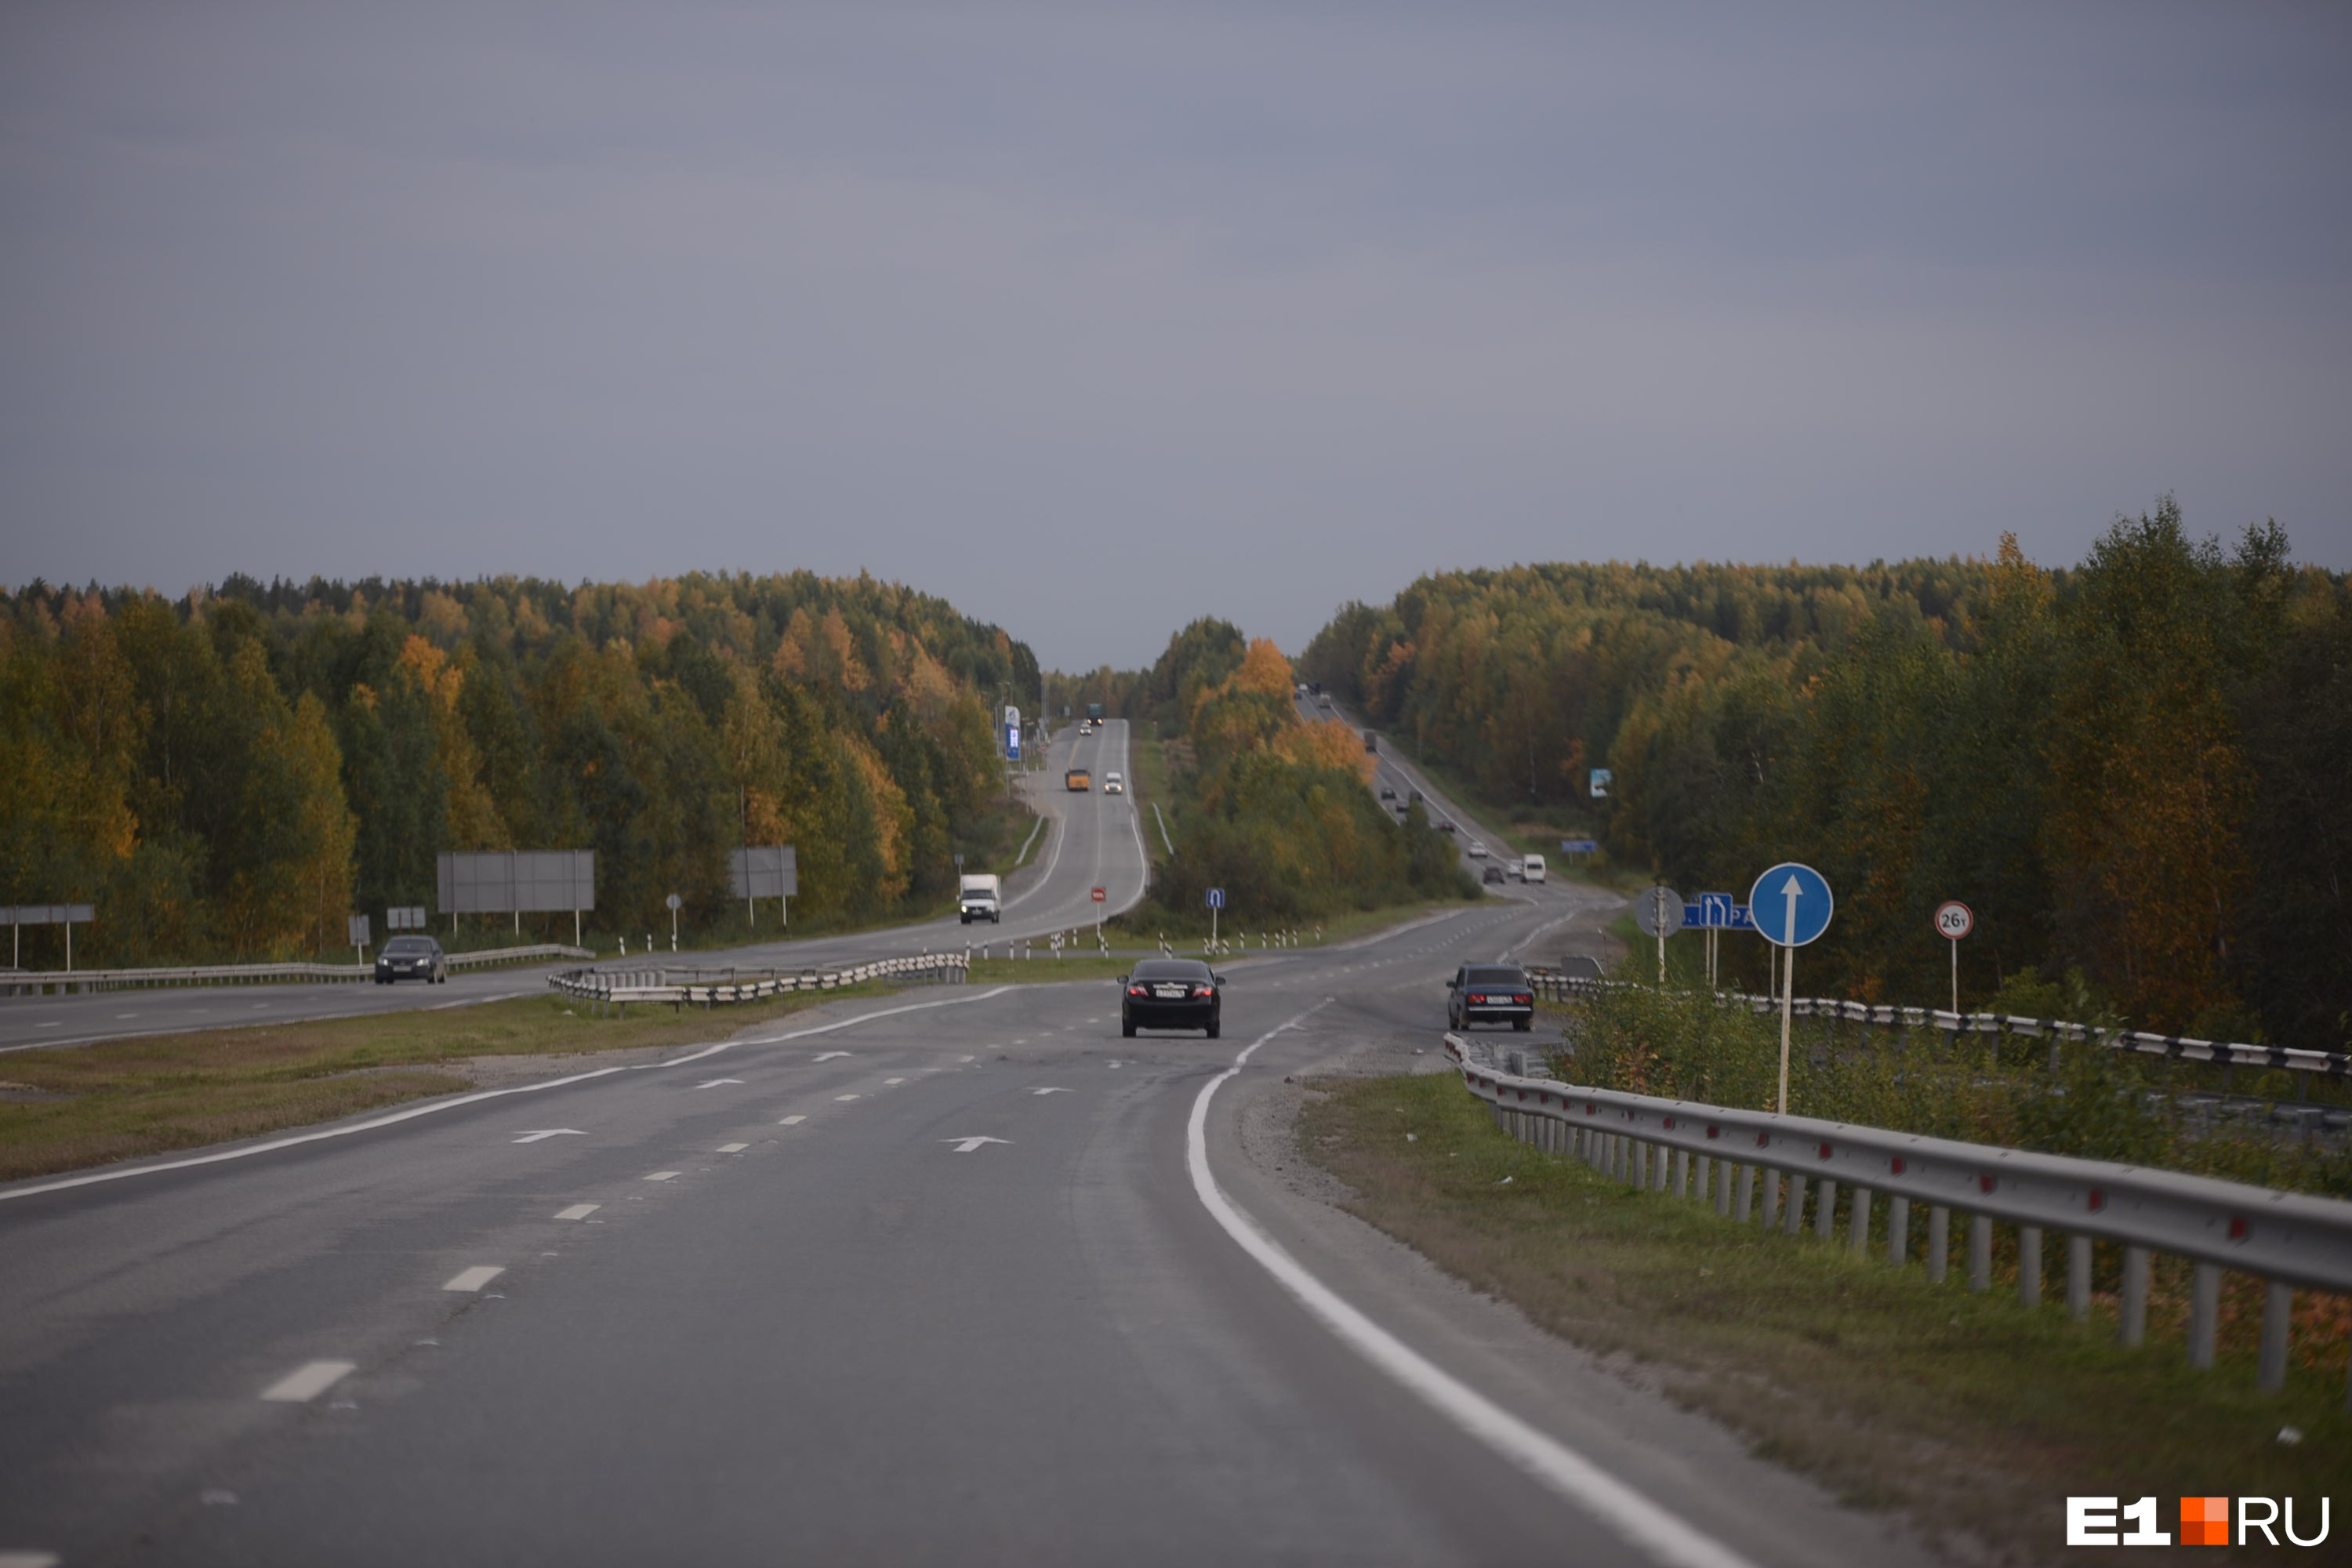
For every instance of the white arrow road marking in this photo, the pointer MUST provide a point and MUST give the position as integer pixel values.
(663, 1177)
(732, 1148)
(550, 1133)
(966, 1145)
(473, 1279)
(578, 1211)
(309, 1381)
(1050, 1091)
(792, 1122)
(1662, 1536)
(715, 1082)
(828, 1056)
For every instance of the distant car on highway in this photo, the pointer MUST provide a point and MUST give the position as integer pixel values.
(1445, 828)
(1113, 784)
(1078, 781)
(1476, 851)
(1490, 994)
(1171, 994)
(1413, 795)
(1387, 793)
(412, 958)
(1492, 874)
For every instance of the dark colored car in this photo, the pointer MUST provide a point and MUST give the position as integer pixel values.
(1387, 793)
(411, 958)
(1171, 994)
(1493, 873)
(1490, 994)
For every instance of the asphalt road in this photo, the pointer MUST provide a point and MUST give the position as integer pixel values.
(943, 1277)
(1092, 840)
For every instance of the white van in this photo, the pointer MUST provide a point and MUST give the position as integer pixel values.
(1531, 870)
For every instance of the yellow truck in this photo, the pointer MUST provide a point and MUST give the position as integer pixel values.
(1078, 781)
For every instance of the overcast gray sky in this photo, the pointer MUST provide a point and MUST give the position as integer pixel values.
(1097, 318)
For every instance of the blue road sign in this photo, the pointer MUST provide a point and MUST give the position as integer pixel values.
(1710, 911)
(1791, 904)
(1216, 897)
(1579, 845)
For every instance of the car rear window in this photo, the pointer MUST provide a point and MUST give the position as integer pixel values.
(1170, 969)
(1496, 975)
(409, 945)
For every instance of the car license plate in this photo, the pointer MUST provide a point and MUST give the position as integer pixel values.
(1170, 990)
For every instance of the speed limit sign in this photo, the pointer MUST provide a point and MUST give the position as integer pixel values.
(1954, 920)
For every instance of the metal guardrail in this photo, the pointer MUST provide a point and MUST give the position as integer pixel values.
(679, 986)
(41, 983)
(1558, 987)
(1699, 1150)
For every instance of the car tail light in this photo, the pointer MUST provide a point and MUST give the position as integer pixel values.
(1138, 991)
(1200, 990)
(1477, 996)
(1524, 1000)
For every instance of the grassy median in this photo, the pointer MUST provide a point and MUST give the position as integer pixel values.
(1974, 1415)
(90, 1105)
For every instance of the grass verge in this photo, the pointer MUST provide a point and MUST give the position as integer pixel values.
(91, 1105)
(1974, 1415)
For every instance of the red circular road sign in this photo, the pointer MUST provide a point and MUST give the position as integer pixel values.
(1098, 895)
(1954, 920)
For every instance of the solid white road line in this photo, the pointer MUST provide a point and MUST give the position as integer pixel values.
(29, 1560)
(434, 1107)
(578, 1211)
(309, 1381)
(664, 1177)
(473, 1279)
(732, 1148)
(792, 1122)
(1648, 1527)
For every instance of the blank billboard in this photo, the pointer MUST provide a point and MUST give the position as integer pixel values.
(765, 873)
(509, 881)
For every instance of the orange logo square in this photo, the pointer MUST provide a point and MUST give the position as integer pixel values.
(2204, 1521)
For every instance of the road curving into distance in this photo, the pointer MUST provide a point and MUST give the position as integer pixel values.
(957, 1276)
(1090, 840)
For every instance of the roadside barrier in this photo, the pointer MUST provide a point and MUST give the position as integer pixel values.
(42, 982)
(678, 986)
(1731, 1158)
(1551, 984)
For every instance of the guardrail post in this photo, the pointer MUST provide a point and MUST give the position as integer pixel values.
(1682, 1174)
(1979, 1253)
(2029, 1266)
(1898, 1231)
(1744, 1201)
(1771, 1205)
(1939, 1243)
(2278, 1315)
(2078, 1277)
(1858, 1222)
(1825, 1209)
(2135, 1303)
(1795, 1213)
(2204, 1312)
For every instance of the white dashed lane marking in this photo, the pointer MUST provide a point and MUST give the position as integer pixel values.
(792, 1122)
(732, 1148)
(309, 1381)
(663, 1177)
(840, 1098)
(578, 1211)
(473, 1279)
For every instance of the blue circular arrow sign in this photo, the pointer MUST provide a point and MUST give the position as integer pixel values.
(1790, 904)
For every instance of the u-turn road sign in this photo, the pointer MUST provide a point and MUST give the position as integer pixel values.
(1790, 904)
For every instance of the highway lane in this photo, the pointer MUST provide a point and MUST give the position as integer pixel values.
(935, 1285)
(1091, 840)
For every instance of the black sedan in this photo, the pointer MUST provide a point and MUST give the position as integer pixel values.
(411, 958)
(1490, 994)
(1171, 994)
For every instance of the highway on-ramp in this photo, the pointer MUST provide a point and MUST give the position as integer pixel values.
(1088, 840)
(954, 1276)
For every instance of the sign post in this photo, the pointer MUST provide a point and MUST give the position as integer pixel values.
(361, 935)
(1791, 905)
(1099, 897)
(674, 901)
(1216, 902)
(1659, 913)
(1954, 920)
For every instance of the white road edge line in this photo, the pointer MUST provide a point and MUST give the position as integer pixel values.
(578, 1211)
(473, 1279)
(1648, 1527)
(309, 1381)
(432, 1107)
